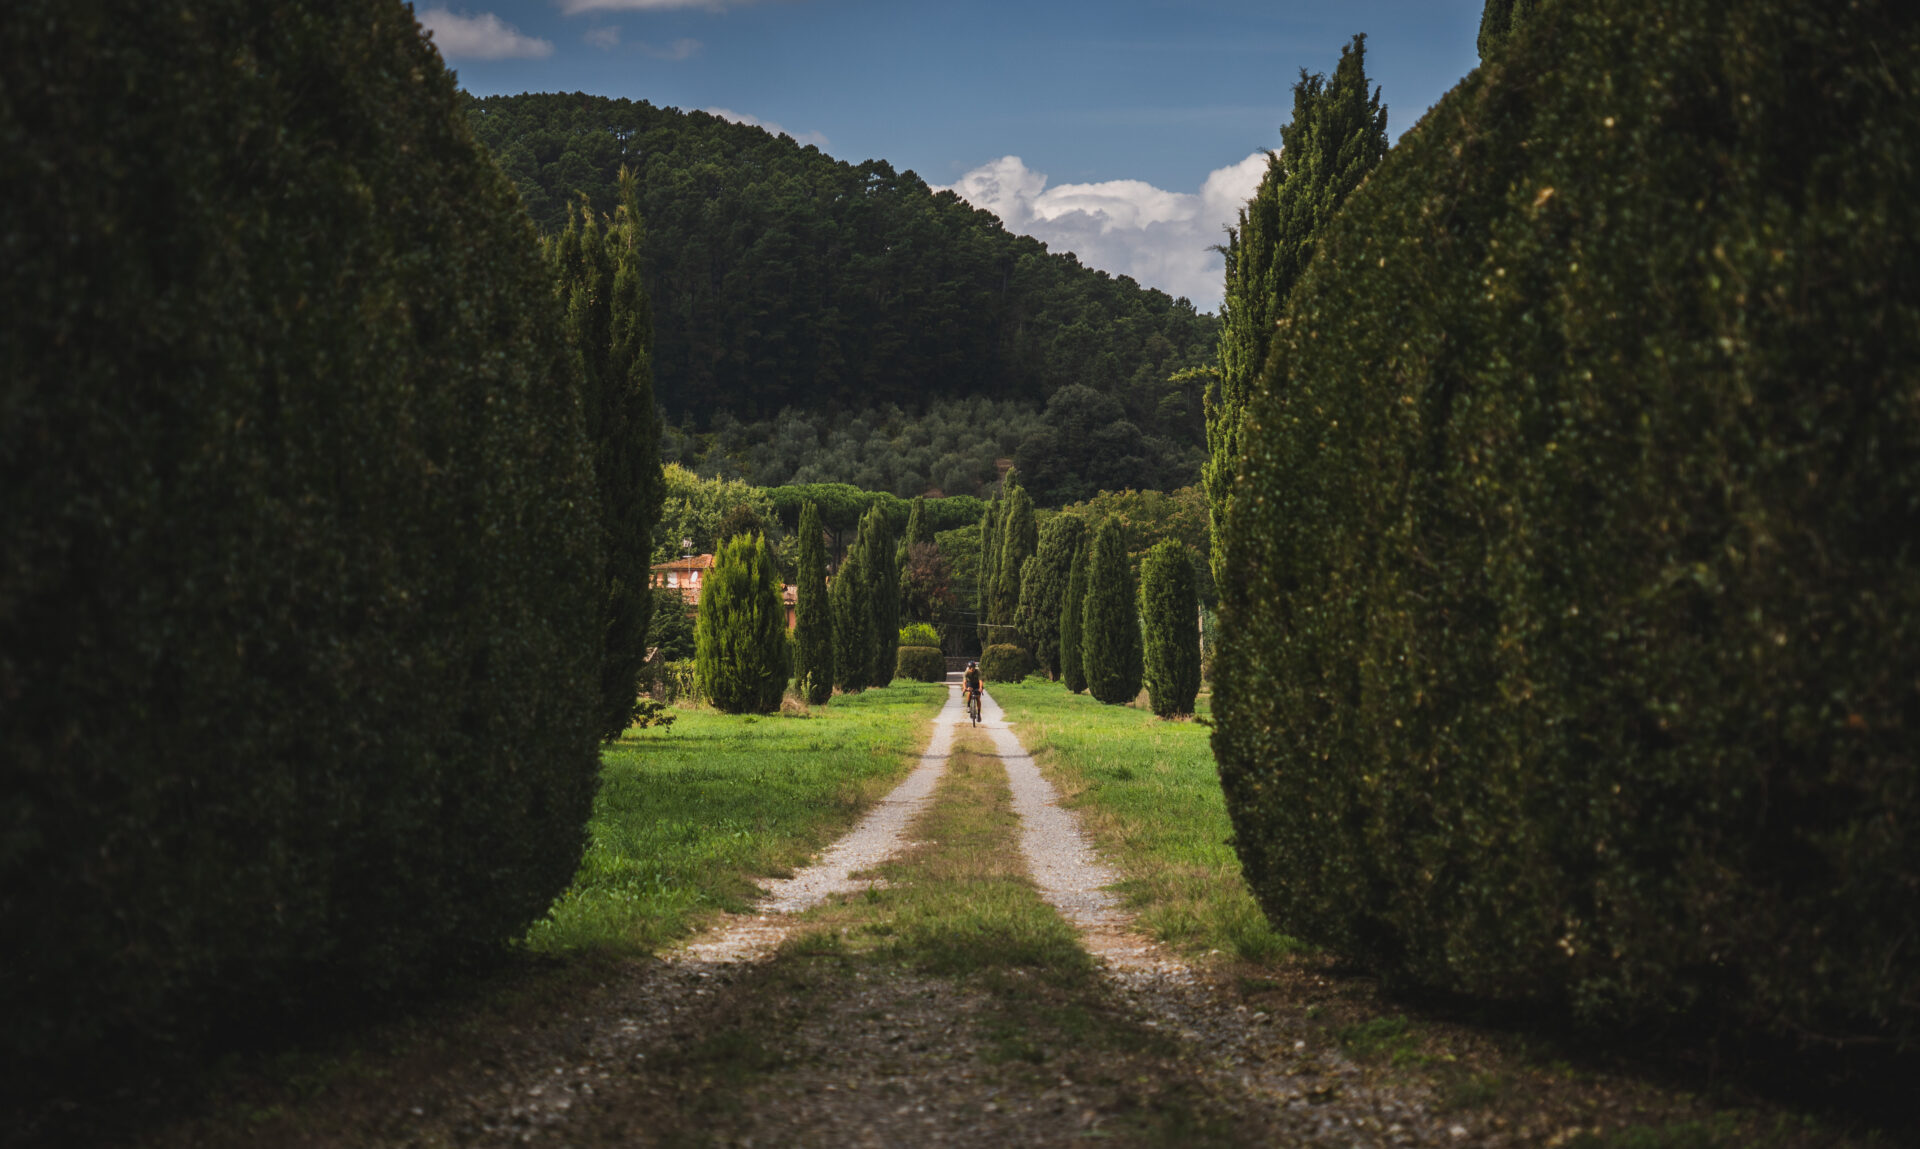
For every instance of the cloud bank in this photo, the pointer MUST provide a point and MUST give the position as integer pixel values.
(801, 138)
(482, 37)
(1161, 238)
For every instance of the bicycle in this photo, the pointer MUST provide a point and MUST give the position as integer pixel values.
(973, 706)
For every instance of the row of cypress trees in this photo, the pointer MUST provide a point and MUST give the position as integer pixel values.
(845, 631)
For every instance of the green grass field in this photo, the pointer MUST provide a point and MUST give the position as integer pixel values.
(688, 815)
(1148, 792)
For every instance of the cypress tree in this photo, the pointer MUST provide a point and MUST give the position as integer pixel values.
(741, 636)
(1170, 614)
(883, 587)
(919, 525)
(609, 326)
(983, 580)
(1073, 603)
(813, 614)
(1338, 134)
(1500, 19)
(1043, 591)
(1016, 543)
(1110, 621)
(852, 602)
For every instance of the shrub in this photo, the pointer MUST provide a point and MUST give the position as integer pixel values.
(921, 664)
(744, 658)
(919, 634)
(1170, 618)
(1005, 662)
(1110, 620)
(1571, 651)
(300, 594)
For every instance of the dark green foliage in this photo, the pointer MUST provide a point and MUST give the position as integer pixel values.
(921, 664)
(1170, 628)
(300, 589)
(1088, 441)
(1500, 19)
(1337, 135)
(842, 507)
(1572, 645)
(609, 326)
(743, 660)
(743, 519)
(1073, 672)
(926, 590)
(790, 279)
(920, 526)
(1110, 620)
(1005, 662)
(851, 597)
(1015, 538)
(1043, 591)
(882, 574)
(990, 540)
(670, 625)
(812, 614)
(1147, 517)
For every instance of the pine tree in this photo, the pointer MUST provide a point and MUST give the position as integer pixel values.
(1110, 621)
(1043, 591)
(852, 601)
(1017, 540)
(882, 573)
(742, 658)
(609, 327)
(1073, 671)
(983, 580)
(813, 614)
(1338, 134)
(1170, 617)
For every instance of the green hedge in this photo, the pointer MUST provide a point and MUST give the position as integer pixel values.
(299, 616)
(1574, 648)
(1005, 662)
(921, 664)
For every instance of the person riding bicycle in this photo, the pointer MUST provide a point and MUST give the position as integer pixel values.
(970, 684)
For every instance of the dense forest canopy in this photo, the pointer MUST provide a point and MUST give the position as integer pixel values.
(784, 280)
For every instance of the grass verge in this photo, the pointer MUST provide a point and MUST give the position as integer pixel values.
(1148, 792)
(688, 815)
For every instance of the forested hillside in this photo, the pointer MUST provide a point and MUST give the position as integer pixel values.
(784, 280)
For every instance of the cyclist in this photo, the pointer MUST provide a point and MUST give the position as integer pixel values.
(970, 690)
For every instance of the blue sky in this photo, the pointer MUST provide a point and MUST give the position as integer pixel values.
(1124, 131)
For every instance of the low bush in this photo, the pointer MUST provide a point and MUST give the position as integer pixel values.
(1005, 662)
(1573, 648)
(919, 634)
(921, 664)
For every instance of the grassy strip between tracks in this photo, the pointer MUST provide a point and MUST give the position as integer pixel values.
(690, 814)
(1148, 793)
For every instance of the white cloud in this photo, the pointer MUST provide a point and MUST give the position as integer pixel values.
(803, 138)
(1161, 238)
(575, 7)
(604, 37)
(482, 37)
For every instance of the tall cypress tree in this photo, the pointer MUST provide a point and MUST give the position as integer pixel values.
(1073, 672)
(1500, 19)
(919, 524)
(1043, 592)
(1337, 135)
(1018, 538)
(989, 562)
(852, 601)
(1110, 621)
(609, 327)
(882, 575)
(812, 613)
(1170, 617)
(741, 637)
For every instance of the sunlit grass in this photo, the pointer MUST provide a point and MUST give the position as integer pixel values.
(688, 815)
(1148, 792)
